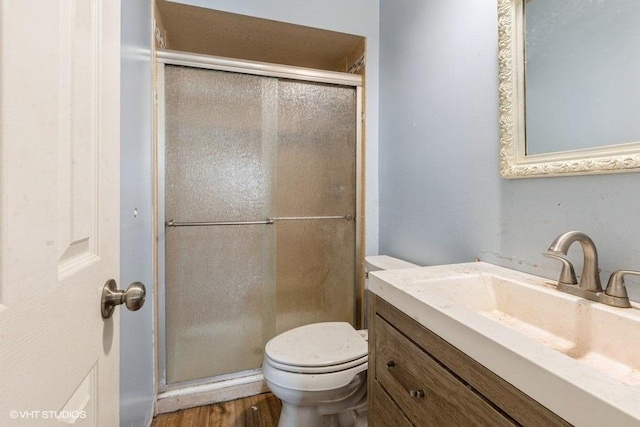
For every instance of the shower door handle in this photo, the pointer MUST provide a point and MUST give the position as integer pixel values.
(268, 221)
(174, 223)
(348, 217)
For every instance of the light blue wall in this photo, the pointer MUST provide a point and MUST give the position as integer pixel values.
(136, 263)
(359, 17)
(441, 197)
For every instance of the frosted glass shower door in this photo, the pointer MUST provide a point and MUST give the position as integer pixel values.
(315, 258)
(279, 157)
(220, 147)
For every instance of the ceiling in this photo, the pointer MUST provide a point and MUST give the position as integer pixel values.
(212, 32)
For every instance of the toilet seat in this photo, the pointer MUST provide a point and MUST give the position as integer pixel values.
(316, 369)
(317, 348)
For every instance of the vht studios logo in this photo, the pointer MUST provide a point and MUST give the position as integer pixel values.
(55, 415)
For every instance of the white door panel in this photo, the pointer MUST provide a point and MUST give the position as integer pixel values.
(59, 210)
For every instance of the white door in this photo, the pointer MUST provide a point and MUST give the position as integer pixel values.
(59, 211)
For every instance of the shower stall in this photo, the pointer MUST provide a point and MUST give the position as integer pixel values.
(258, 196)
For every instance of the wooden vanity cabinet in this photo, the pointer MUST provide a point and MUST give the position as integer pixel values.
(418, 379)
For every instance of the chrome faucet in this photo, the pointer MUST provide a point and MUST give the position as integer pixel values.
(590, 277)
(589, 286)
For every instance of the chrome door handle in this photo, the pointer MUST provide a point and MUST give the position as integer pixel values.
(133, 297)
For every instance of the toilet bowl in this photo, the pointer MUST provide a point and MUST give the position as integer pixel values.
(319, 371)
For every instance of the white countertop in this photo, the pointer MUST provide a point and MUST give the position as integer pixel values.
(578, 393)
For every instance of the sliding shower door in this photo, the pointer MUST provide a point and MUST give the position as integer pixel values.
(315, 259)
(220, 154)
(259, 204)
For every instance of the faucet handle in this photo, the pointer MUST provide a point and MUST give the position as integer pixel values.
(567, 274)
(616, 287)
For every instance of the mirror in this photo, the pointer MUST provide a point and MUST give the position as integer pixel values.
(577, 62)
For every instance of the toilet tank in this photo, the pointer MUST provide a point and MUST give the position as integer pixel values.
(377, 263)
(385, 262)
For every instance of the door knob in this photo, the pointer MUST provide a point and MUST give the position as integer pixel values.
(133, 297)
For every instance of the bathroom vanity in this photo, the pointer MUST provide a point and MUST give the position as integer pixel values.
(420, 379)
(476, 344)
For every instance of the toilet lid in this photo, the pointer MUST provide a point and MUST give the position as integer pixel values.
(318, 344)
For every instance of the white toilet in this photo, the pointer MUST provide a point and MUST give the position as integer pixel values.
(319, 371)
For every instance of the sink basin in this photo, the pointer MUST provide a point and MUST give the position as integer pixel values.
(579, 358)
(604, 338)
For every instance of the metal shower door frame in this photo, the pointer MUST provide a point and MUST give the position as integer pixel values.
(246, 382)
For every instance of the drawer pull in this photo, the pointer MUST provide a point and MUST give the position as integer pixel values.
(416, 393)
(413, 393)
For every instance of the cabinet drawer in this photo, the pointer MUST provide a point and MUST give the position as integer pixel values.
(424, 390)
(385, 412)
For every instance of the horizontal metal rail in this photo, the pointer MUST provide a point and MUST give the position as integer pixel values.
(172, 223)
(306, 218)
(268, 221)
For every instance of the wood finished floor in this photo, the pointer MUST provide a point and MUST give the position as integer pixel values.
(262, 410)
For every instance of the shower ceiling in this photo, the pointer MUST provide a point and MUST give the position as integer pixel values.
(212, 32)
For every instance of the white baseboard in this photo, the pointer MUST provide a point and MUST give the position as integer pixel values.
(206, 394)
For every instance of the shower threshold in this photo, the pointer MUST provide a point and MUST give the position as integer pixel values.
(211, 390)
